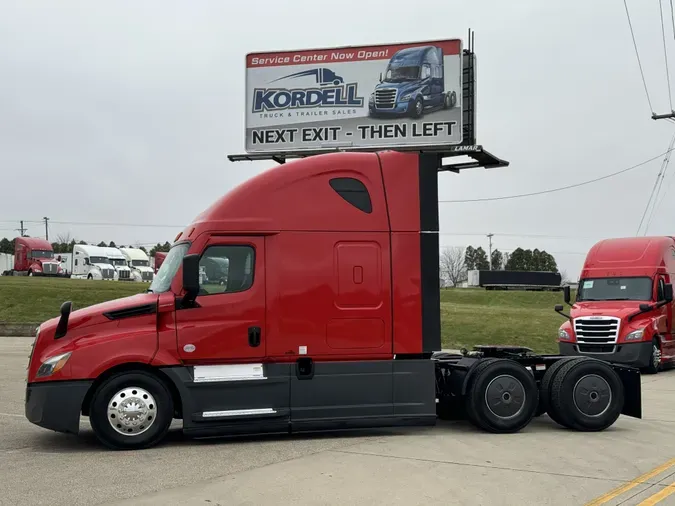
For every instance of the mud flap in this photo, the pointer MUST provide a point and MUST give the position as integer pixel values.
(632, 387)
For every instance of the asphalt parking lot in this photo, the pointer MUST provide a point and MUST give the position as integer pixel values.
(632, 463)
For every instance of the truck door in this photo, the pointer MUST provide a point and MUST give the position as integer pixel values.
(667, 342)
(228, 324)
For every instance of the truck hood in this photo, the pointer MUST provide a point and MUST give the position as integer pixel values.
(619, 308)
(92, 315)
(103, 266)
(402, 87)
(46, 260)
(142, 268)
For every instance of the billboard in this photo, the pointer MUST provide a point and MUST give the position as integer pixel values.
(385, 96)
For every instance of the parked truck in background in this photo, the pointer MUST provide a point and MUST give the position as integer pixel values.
(413, 84)
(515, 280)
(328, 317)
(623, 309)
(139, 263)
(92, 262)
(119, 262)
(159, 258)
(34, 257)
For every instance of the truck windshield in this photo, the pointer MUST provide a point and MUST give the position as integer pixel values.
(398, 74)
(615, 289)
(40, 253)
(162, 281)
(99, 260)
(140, 263)
(118, 261)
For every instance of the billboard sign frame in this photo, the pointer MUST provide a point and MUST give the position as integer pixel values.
(322, 100)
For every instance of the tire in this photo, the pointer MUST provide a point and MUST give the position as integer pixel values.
(502, 396)
(143, 431)
(587, 395)
(655, 359)
(545, 389)
(418, 108)
(450, 100)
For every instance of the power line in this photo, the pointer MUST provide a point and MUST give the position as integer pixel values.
(644, 81)
(96, 224)
(657, 184)
(561, 188)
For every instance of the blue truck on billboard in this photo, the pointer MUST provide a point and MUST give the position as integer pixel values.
(412, 85)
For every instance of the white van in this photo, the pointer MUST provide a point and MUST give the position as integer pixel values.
(91, 262)
(139, 263)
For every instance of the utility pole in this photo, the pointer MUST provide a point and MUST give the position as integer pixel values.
(46, 228)
(21, 230)
(490, 249)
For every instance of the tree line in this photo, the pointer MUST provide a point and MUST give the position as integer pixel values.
(456, 262)
(65, 245)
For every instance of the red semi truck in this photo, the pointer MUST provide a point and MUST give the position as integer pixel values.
(329, 318)
(159, 258)
(623, 310)
(34, 257)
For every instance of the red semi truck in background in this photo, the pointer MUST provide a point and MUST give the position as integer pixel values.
(159, 258)
(623, 310)
(329, 318)
(34, 257)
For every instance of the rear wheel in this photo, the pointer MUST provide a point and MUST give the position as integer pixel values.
(502, 396)
(131, 410)
(587, 395)
(545, 389)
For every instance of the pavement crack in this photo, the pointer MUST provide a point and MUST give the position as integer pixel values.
(483, 466)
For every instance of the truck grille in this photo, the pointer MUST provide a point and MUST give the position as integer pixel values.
(385, 98)
(146, 276)
(108, 273)
(124, 274)
(597, 329)
(49, 268)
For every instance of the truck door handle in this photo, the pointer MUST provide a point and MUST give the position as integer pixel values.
(254, 336)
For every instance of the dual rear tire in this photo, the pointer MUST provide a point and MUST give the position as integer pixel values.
(578, 393)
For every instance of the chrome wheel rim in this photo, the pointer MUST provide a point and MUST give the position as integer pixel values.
(656, 356)
(132, 411)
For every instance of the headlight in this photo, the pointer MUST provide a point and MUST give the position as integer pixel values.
(405, 98)
(636, 335)
(563, 335)
(372, 98)
(52, 365)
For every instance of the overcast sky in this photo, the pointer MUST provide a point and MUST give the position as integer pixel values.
(124, 111)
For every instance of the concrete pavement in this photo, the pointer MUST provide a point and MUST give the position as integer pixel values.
(452, 463)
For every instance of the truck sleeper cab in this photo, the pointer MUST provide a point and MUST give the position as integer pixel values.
(271, 318)
(92, 262)
(119, 263)
(34, 257)
(413, 83)
(139, 263)
(624, 305)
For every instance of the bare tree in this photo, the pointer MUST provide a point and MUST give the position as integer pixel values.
(452, 265)
(64, 238)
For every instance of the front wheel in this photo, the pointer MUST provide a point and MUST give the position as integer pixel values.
(418, 108)
(131, 410)
(655, 358)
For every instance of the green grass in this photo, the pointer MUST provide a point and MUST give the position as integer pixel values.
(476, 316)
(468, 316)
(34, 300)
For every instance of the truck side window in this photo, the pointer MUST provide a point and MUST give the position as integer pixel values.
(661, 294)
(354, 192)
(226, 269)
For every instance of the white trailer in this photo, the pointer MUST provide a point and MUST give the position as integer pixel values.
(139, 263)
(119, 262)
(91, 262)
